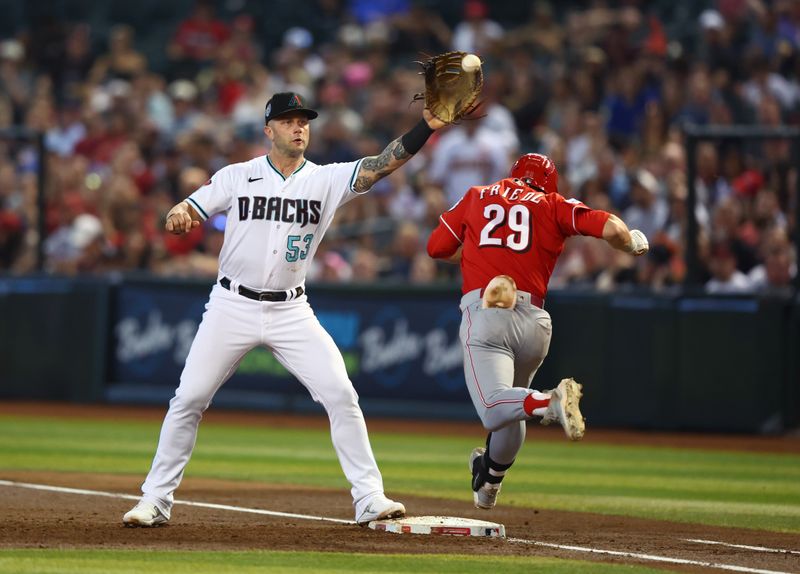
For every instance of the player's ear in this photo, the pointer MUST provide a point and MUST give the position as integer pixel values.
(268, 131)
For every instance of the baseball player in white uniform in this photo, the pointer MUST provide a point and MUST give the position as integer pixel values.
(278, 208)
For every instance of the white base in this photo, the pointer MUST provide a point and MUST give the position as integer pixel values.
(440, 525)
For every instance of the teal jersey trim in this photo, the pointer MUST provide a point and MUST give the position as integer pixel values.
(200, 209)
(272, 165)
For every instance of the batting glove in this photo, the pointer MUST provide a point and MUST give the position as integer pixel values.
(639, 244)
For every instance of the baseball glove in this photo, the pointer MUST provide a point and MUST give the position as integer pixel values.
(451, 92)
(500, 292)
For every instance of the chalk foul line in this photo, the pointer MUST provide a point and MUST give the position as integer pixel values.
(742, 546)
(650, 557)
(183, 502)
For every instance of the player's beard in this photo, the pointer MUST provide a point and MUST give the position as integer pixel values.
(289, 149)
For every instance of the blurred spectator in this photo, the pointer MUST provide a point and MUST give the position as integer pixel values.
(75, 66)
(626, 104)
(190, 179)
(186, 116)
(333, 268)
(11, 236)
(776, 273)
(648, 211)
(121, 62)
(77, 246)
(662, 267)
(407, 244)
(205, 261)
(15, 82)
(368, 11)
(466, 154)
(68, 131)
(726, 278)
(728, 225)
(196, 40)
(133, 124)
(365, 266)
(423, 270)
(541, 34)
(477, 34)
(419, 30)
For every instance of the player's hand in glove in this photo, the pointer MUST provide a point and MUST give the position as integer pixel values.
(453, 82)
(639, 244)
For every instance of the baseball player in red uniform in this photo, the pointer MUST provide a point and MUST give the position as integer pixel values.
(507, 236)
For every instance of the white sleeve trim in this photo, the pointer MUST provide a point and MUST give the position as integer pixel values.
(574, 207)
(451, 229)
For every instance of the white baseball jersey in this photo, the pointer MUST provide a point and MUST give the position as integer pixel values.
(274, 223)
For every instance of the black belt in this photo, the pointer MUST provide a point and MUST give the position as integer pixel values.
(264, 295)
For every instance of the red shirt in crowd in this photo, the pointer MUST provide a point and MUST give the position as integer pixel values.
(508, 228)
(199, 39)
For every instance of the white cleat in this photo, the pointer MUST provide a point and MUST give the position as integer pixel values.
(380, 508)
(144, 514)
(564, 408)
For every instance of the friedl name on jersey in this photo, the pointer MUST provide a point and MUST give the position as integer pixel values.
(511, 193)
(302, 211)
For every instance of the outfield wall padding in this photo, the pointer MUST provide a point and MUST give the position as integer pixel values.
(53, 339)
(649, 361)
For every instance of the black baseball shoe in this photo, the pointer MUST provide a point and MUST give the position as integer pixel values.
(484, 493)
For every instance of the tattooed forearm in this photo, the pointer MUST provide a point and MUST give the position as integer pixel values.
(363, 183)
(398, 151)
(393, 152)
(376, 167)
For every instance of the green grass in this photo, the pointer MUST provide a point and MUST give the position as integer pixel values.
(745, 489)
(136, 562)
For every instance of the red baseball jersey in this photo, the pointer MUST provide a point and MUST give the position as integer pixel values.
(507, 228)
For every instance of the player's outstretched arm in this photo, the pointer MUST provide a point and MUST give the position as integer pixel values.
(182, 219)
(616, 233)
(396, 153)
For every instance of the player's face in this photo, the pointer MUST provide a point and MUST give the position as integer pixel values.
(289, 133)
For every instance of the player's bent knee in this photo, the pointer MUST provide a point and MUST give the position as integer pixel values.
(492, 421)
(189, 402)
(341, 398)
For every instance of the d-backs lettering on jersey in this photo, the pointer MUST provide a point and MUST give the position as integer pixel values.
(274, 223)
(509, 228)
(302, 211)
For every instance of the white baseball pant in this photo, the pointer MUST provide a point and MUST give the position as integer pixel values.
(231, 326)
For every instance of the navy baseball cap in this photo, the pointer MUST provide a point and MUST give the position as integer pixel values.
(284, 102)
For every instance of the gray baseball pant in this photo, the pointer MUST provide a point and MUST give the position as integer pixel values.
(503, 349)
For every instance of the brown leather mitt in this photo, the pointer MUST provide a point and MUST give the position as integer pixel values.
(451, 88)
(500, 292)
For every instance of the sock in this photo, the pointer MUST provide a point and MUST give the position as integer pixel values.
(495, 476)
(496, 471)
(536, 404)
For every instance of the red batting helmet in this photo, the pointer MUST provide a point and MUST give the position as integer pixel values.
(538, 171)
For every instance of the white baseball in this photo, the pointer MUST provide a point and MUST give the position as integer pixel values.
(470, 63)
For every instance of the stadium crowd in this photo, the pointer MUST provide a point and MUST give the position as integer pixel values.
(603, 88)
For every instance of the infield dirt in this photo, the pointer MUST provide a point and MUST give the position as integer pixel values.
(36, 519)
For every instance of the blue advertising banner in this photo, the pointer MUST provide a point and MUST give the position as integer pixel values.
(394, 346)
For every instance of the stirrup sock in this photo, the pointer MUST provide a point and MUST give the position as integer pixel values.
(536, 403)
